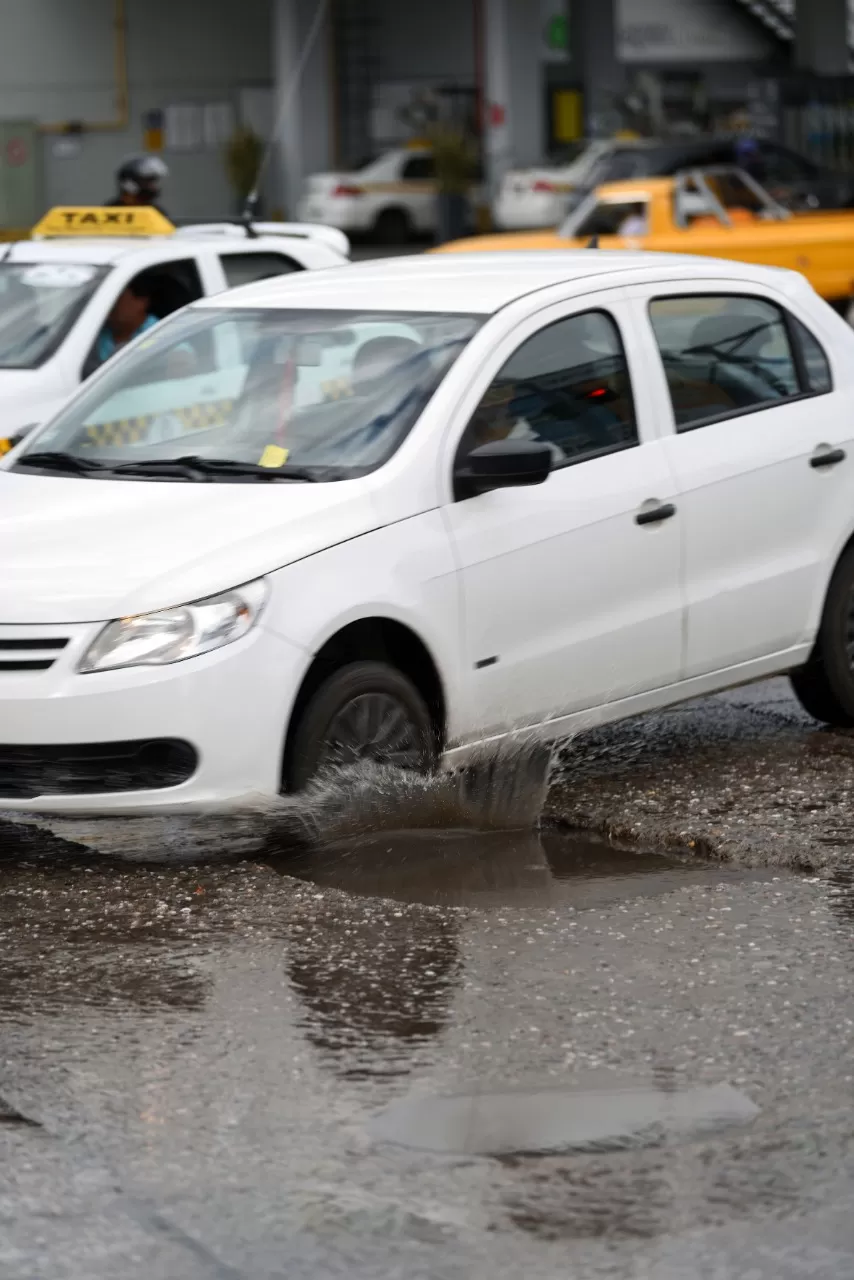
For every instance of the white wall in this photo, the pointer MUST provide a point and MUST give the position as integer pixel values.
(56, 63)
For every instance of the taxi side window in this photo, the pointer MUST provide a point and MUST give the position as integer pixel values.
(245, 268)
(568, 386)
(168, 286)
(614, 219)
(725, 355)
(419, 168)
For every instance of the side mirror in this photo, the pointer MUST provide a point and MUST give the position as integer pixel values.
(502, 464)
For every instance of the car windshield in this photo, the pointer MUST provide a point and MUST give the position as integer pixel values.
(308, 395)
(39, 302)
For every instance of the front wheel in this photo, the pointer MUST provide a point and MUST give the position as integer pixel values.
(365, 711)
(825, 686)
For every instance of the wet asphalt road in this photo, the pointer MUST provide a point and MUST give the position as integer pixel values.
(451, 1054)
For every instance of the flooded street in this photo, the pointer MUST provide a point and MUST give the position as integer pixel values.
(339, 1041)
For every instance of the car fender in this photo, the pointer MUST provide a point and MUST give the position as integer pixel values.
(404, 572)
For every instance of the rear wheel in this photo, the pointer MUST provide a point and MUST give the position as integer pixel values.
(392, 227)
(825, 686)
(364, 711)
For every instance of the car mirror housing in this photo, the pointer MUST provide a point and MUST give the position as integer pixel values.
(502, 464)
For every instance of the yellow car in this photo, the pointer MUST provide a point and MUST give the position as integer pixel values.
(720, 212)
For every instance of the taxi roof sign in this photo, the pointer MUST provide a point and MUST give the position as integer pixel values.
(121, 220)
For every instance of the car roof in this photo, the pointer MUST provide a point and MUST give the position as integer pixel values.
(99, 251)
(107, 250)
(481, 283)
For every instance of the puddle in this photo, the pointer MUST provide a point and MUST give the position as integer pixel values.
(463, 868)
(547, 1121)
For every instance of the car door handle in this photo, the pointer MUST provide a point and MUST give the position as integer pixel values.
(828, 458)
(655, 515)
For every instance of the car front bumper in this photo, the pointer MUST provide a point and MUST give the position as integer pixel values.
(231, 706)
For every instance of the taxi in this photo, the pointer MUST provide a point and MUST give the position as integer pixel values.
(58, 288)
(717, 211)
(552, 490)
(392, 199)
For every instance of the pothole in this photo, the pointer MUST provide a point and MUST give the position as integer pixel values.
(485, 869)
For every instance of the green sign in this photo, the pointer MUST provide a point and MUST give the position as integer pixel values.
(557, 33)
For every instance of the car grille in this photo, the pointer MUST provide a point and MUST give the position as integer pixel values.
(30, 653)
(95, 768)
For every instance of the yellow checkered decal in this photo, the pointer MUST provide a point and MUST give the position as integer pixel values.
(192, 417)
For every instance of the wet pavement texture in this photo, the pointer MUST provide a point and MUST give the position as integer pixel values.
(449, 1053)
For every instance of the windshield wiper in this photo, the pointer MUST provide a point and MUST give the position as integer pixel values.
(199, 468)
(54, 460)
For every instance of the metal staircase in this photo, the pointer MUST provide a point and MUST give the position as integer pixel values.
(778, 16)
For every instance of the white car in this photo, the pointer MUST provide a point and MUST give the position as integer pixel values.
(539, 196)
(444, 508)
(392, 199)
(57, 289)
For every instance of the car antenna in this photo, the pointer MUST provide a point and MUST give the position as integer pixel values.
(249, 210)
(592, 243)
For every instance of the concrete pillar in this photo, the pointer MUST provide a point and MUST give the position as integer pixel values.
(527, 82)
(513, 87)
(821, 36)
(594, 56)
(302, 96)
(496, 97)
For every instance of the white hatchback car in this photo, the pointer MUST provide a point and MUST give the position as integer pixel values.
(451, 500)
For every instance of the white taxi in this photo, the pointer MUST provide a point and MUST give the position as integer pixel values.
(392, 199)
(58, 288)
(449, 502)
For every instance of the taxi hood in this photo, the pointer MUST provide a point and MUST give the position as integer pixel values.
(27, 397)
(79, 550)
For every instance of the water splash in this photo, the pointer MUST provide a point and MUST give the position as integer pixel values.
(502, 788)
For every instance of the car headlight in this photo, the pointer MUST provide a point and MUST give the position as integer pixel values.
(172, 635)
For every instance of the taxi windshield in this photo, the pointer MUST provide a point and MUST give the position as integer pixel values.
(234, 394)
(39, 302)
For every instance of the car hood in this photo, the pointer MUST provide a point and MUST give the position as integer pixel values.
(80, 550)
(27, 397)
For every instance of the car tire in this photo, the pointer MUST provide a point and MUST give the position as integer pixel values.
(825, 686)
(392, 227)
(366, 710)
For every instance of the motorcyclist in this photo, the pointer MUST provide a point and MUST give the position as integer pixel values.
(139, 180)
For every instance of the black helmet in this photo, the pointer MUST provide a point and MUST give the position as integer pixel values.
(142, 176)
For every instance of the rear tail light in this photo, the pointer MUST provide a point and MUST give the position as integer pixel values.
(542, 185)
(347, 189)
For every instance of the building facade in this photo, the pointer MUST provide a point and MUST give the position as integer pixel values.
(83, 83)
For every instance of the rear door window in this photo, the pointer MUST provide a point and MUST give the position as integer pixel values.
(725, 355)
(246, 268)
